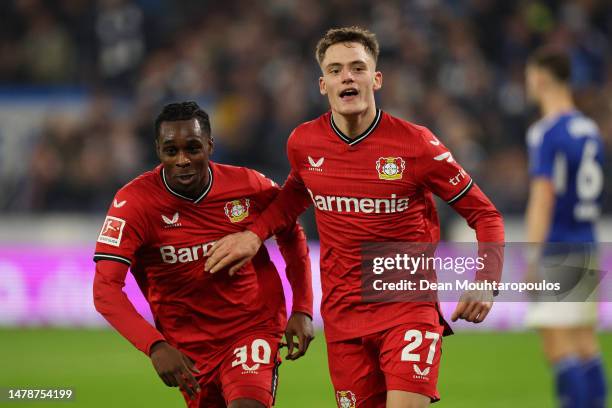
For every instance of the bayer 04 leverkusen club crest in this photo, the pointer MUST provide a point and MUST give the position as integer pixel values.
(390, 168)
(346, 399)
(237, 210)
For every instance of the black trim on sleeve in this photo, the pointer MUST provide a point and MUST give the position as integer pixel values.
(461, 193)
(98, 256)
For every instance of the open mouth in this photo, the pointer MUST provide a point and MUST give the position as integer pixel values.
(185, 177)
(348, 94)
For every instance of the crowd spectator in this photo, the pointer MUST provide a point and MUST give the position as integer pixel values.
(454, 66)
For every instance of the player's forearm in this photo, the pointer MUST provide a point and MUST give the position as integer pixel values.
(294, 249)
(291, 201)
(112, 303)
(481, 215)
(486, 220)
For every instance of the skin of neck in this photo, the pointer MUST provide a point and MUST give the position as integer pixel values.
(556, 100)
(356, 124)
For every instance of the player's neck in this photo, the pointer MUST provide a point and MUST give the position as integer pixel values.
(191, 192)
(354, 125)
(201, 186)
(556, 103)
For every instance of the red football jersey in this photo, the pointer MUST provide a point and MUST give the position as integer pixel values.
(376, 187)
(165, 238)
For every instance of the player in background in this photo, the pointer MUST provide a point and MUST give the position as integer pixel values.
(371, 177)
(566, 155)
(215, 336)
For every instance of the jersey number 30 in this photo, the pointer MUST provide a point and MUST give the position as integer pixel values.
(260, 353)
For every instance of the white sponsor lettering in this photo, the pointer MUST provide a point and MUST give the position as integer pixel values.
(357, 205)
(172, 255)
(457, 179)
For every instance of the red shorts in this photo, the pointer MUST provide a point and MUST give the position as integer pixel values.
(404, 357)
(248, 369)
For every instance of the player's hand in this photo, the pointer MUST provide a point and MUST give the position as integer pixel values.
(174, 368)
(300, 326)
(233, 250)
(473, 306)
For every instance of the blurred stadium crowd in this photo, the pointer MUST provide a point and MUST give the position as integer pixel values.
(454, 66)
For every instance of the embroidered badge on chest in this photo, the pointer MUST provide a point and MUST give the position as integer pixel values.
(390, 168)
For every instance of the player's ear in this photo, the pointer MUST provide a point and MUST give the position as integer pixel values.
(378, 80)
(210, 143)
(322, 87)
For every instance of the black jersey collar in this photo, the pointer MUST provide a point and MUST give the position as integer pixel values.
(200, 197)
(354, 141)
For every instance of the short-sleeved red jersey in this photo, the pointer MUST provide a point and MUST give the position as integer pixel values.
(165, 238)
(376, 187)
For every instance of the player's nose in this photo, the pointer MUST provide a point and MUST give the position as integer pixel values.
(347, 76)
(182, 160)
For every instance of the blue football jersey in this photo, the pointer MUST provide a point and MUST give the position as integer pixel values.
(568, 150)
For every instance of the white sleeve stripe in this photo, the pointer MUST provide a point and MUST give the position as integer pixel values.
(108, 257)
(458, 196)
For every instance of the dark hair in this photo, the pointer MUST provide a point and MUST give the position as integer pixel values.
(183, 111)
(347, 34)
(555, 61)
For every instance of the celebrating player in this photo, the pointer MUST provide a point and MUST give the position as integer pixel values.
(566, 155)
(371, 177)
(216, 336)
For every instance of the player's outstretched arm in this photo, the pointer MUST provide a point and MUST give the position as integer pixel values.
(483, 217)
(294, 249)
(112, 303)
(237, 249)
(174, 368)
(442, 175)
(233, 251)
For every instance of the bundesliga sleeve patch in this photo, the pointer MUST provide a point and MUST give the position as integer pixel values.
(112, 230)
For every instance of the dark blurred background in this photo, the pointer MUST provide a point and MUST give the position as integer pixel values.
(82, 81)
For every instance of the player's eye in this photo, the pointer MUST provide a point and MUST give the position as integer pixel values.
(170, 151)
(194, 150)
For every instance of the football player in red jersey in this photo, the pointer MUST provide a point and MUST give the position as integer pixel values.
(371, 177)
(215, 336)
